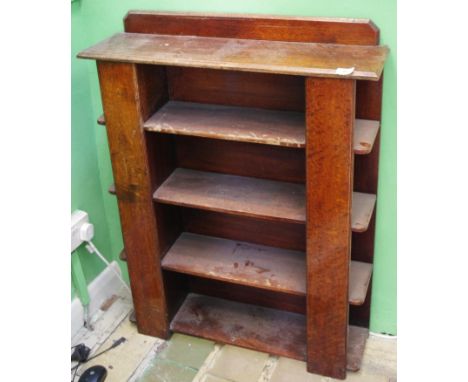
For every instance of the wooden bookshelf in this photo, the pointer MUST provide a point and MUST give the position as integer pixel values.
(245, 155)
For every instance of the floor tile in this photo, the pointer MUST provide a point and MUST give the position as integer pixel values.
(288, 370)
(361, 377)
(380, 357)
(164, 370)
(187, 350)
(212, 378)
(238, 364)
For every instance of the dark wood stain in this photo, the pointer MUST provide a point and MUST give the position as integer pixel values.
(330, 119)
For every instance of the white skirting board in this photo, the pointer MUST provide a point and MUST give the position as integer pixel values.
(100, 289)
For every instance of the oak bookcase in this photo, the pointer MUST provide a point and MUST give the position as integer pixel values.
(245, 157)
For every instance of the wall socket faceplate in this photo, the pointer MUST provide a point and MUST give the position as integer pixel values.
(81, 229)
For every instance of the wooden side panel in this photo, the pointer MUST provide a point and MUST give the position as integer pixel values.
(330, 111)
(120, 98)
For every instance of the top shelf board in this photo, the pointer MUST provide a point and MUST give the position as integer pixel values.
(302, 59)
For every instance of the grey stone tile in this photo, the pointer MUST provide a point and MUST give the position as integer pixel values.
(238, 364)
(289, 370)
(163, 370)
(187, 350)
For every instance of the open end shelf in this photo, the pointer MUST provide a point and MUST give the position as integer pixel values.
(295, 58)
(259, 198)
(263, 329)
(259, 266)
(365, 132)
(363, 208)
(243, 124)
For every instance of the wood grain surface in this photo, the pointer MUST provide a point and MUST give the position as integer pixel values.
(252, 197)
(254, 26)
(294, 58)
(241, 124)
(120, 98)
(262, 329)
(330, 123)
(233, 194)
(253, 265)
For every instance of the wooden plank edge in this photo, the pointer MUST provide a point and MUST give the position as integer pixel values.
(101, 120)
(361, 145)
(360, 227)
(123, 255)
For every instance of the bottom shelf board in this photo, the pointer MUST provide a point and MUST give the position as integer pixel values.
(267, 330)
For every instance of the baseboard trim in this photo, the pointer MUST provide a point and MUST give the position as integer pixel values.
(100, 289)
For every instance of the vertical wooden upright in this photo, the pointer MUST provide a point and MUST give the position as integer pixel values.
(330, 110)
(122, 110)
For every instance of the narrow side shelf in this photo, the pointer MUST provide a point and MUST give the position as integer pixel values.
(259, 198)
(259, 266)
(262, 329)
(241, 124)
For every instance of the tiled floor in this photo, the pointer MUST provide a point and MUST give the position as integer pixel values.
(185, 358)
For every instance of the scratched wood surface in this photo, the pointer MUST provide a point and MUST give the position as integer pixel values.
(306, 59)
(330, 120)
(263, 329)
(278, 128)
(253, 197)
(234, 194)
(253, 265)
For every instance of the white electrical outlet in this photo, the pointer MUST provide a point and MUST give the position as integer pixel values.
(81, 229)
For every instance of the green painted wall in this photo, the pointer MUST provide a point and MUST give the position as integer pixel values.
(94, 20)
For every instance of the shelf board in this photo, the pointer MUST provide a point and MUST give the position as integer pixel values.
(242, 124)
(259, 198)
(263, 329)
(234, 194)
(362, 62)
(259, 266)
